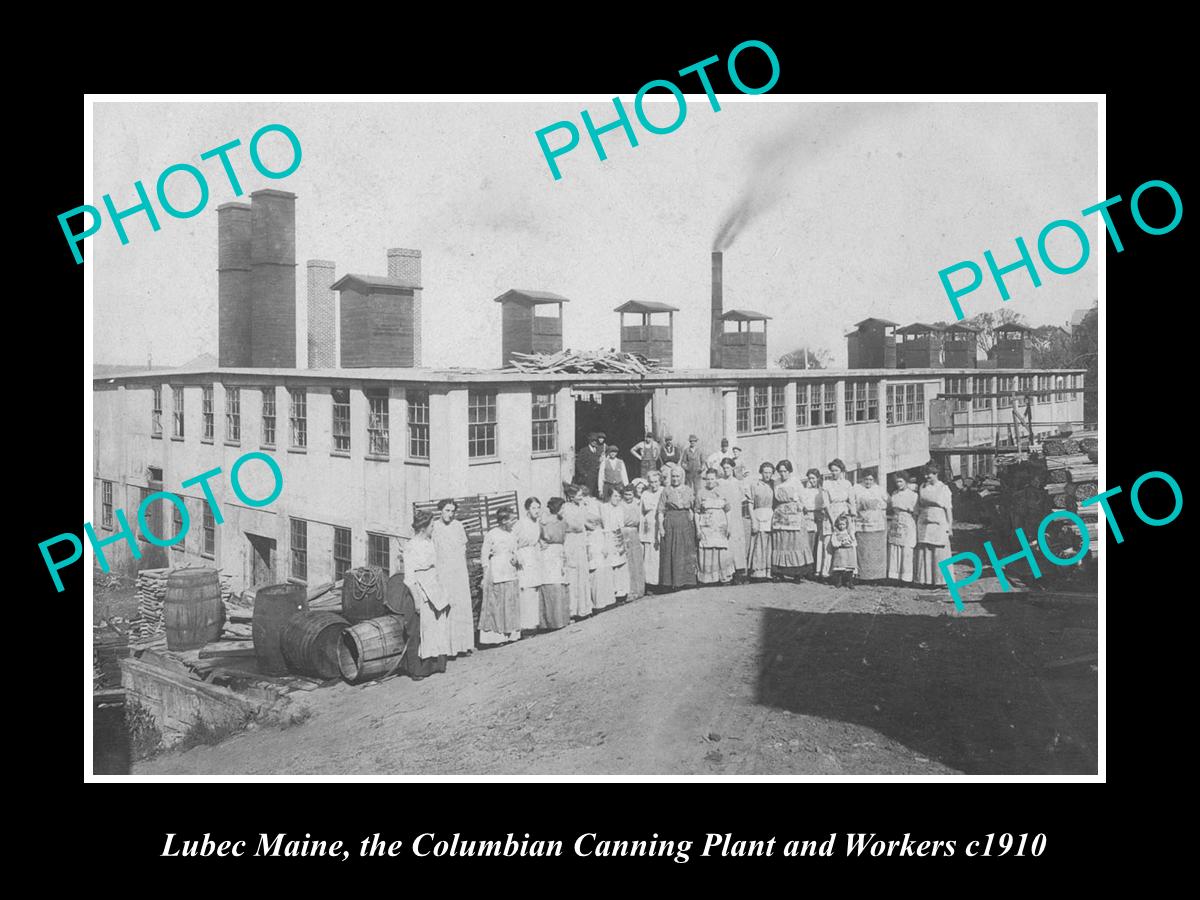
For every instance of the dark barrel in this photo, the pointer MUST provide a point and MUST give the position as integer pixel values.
(274, 606)
(363, 594)
(372, 649)
(192, 610)
(310, 643)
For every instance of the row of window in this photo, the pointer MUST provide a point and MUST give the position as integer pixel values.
(760, 407)
(905, 403)
(379, 551)
(482, 420)
(154, 519)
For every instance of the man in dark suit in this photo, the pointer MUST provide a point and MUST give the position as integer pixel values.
(587, 462)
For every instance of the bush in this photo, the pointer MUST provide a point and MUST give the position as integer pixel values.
(145, 738)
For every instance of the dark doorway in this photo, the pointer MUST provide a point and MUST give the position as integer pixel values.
(262, 560)
(622, 418)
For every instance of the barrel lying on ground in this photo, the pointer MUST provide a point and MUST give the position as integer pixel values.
(363, 594)
(274, 606)
(192, 610)
(310, 643)
(372, 649)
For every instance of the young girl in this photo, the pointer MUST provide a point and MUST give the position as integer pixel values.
(843, 555)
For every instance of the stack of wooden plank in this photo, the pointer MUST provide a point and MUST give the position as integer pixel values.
(1060, 446)
(152, 591)
(584, 362)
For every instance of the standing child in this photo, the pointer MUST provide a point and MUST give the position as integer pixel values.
(843, 553)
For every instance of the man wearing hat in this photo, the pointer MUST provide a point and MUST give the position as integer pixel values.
(692, 461)
(587, 461)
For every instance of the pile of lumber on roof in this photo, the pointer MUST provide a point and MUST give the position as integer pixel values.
(584, 362)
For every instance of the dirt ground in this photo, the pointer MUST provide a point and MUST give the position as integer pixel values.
(756, 679)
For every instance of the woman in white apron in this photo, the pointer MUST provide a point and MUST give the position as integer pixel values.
(902, 531)
(762, 511)
(431, 600)
(528, 535)
(837, 499)
(712, 530)
(935, 524)
(734, 490)
(648, 530)
(871, 533)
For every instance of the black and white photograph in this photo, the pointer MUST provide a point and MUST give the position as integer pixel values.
(499, 437)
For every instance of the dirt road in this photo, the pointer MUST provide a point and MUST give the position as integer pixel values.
(756, 679)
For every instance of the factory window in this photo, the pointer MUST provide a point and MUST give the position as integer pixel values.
(379, 551)
(802, 405)
(156, 412)
(378, 424)
(481, 424)
(743, 410)
(106, 505)
(1025, 386)
(1059, 384)
(418, 424)
(858, 409)
(341, 553)
(905, 404)
(176, 526)
(777, 411)
(206, 408)
(761, 395)
(1004, 384)
(341, 420)
(268, 417)
(1043, 386)
(545, 423)
(830, 393)
(299, 549)
(210, 532)
(298, 398)
(816, 404)
(958, 386)
(981, 390)
(177, 412)
(233, 415)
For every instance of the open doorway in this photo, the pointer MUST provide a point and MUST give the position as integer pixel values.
(622, 418)
(262, 560)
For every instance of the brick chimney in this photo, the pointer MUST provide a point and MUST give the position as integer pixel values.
(233, 285)
(273, 279)
(322, 315)
(405, 266)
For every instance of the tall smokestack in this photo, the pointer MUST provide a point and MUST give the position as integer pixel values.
(233, 284)
(405, 265)
(718, 303)
(273, 279)
(322, 315)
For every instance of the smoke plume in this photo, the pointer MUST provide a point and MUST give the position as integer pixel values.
(775, 160)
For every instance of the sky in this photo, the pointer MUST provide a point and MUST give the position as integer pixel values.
(835, 212)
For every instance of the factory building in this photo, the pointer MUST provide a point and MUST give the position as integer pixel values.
(361, 440)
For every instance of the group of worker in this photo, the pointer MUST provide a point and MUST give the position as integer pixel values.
(686, 520)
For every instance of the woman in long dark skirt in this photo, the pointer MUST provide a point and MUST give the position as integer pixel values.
(678, 559)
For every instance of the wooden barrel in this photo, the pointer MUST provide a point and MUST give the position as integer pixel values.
(274, 606)
(363, 594)
(192, 610)
(310, 643)
(372, 649)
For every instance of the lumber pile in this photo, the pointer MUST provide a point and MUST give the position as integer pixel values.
(1060, 446)
(152, 591)
(584, 362)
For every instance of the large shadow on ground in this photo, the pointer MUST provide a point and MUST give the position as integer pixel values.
(981, 694)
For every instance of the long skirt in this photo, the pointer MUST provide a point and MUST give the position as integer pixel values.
(872, 555)
(435, 632)
(927, 558)
(760, 554)
(677, 553)
(555, 611)
(500, 615)
(650, 562)
(716, 565)
(457, 584)
(900, 563)
(530, 601)
(791, 552)
(634, 563)
(576, 567)
(739, 547)
(601, 582)
(402, 604)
